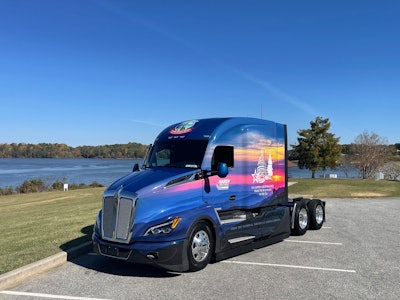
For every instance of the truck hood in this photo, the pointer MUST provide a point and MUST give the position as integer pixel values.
(150, 178)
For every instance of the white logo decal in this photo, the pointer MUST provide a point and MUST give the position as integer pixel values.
(223, 184)
(264, 171)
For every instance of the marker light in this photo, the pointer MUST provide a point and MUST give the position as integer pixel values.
(175, 222)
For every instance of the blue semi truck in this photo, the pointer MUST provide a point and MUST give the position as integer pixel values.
(207, 189)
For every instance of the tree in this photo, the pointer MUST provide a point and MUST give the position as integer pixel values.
(346, 164)
(317, 149)
(369, 153)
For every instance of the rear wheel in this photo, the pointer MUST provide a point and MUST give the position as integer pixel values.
(200, 247)
(317, 214)
(301, 219)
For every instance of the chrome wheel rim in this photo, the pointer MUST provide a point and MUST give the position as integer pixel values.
(200, 246)
(303, 218)
(319, 214)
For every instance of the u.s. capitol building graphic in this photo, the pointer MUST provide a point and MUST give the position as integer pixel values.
(264, 170)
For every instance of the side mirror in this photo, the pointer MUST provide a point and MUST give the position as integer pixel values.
(135, 167)
(222, 169)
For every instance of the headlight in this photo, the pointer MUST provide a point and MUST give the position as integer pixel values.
(164, 227)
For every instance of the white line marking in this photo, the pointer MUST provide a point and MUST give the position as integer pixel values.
(311, 242)
(288, 266)
(47, 296)
(323, 227)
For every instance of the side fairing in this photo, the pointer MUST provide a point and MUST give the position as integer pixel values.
(247, 199)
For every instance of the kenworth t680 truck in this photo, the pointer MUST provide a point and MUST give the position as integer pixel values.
(207, 189)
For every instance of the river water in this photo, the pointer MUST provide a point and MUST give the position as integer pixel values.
(14, 171)
(295, 172)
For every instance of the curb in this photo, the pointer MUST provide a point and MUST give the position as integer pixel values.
(17, 276)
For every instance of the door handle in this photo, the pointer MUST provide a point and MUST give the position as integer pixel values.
(232, 197)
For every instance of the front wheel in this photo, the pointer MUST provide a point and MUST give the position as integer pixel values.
(200, 247)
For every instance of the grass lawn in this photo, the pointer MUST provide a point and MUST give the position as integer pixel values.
(35, 226)
(344, 188)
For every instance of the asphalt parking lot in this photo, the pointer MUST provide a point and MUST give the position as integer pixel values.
(356, 255)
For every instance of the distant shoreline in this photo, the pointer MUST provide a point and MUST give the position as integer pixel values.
(44, 150)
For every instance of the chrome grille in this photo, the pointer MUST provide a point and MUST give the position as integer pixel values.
(109, 217)
(124, 217)
(118, 216)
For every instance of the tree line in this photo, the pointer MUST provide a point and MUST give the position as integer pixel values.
(319, 150)
(48, 150)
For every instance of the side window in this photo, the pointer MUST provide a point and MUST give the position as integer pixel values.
(222, 154)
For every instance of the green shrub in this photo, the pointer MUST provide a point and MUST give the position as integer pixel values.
(8, 190)
(73, 186)
(31, 186)
(38, 185)
(58, 185)
(96, 184)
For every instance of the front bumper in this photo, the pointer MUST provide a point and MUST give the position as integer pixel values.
(169, 255)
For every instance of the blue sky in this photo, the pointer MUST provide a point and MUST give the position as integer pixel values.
(95, 72)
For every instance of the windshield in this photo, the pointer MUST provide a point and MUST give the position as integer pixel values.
(177, 154)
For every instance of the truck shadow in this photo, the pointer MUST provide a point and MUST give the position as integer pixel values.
(120, 268)
(87, 231)
(80, 252)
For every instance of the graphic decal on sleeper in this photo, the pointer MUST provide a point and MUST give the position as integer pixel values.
(264, 171)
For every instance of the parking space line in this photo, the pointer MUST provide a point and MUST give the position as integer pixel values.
(288, 266)
(14, 293)
(311, 242)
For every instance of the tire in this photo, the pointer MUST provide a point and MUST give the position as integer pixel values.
(200, 246)
(301, 219)
(317, 214)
